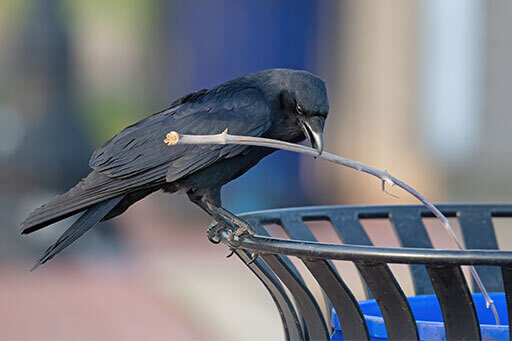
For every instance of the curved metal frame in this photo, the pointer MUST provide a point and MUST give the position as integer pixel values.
(433, 271)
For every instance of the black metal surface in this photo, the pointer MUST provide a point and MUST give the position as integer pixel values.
(457, 306)
(258, 228)
(308, 306)
(351, 318)
(350, 231)
(411, 232)
(478, 233)
(296, 229)
(310, 213)
(291, 324)
(373, 254)
(293, 280)
(507, 283)
(429, 266)
(395, 309)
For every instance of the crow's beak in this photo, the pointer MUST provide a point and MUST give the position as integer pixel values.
(313, 128)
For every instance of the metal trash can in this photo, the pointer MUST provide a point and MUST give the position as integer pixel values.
(306, 315)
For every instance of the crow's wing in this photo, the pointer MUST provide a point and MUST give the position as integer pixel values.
(137, 157)
(140, 147)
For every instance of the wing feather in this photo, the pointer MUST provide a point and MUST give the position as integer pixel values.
(137, 158)
(140, 147)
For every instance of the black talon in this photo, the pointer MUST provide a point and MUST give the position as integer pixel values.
(253, 258)
(231, 254)
(213, 240)
(212, 233)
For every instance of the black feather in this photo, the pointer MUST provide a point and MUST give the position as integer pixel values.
(137, 162)
(245, 114)
(90, 218)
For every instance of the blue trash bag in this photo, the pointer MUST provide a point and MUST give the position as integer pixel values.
(429, 318)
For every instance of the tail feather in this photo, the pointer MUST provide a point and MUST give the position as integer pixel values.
(93, 189)
(63, 206)
(90, 218)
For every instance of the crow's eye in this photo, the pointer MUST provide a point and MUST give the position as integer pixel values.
(299, 109)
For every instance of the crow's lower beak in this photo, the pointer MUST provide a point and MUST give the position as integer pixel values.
(313, 128)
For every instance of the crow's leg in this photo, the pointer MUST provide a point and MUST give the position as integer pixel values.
(209, 201)
(242, 227)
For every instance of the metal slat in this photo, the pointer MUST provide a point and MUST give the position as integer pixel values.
(478, 232)
(475, 230)
(395, 309)
(373, 254)
(291, 324)
(506, 272)
(411, 232)
(449, 210)
(350, 231)
(285, 265)
(457, 306)
(296, 229)
(309, 309)
(353, 324)
(260, 230)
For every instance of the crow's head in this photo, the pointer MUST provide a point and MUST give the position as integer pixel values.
(301, 99)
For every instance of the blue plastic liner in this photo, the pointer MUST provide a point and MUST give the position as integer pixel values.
(429, 318)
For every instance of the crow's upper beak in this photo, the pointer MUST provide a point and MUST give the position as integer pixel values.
(313, 129)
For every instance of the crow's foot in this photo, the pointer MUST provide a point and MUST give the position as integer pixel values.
(254, 256)
(213, 232)
(234, 229)
(231, 253)
(233, 236)
(243, 229)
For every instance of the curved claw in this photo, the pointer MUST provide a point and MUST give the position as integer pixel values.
(213, 240)
(212, 233)
(254, 256)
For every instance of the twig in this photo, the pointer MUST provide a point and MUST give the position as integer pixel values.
(174, 138)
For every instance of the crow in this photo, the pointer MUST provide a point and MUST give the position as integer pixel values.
(283, 104)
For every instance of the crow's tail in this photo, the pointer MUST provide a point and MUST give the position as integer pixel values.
(93, 189)
(90, 218)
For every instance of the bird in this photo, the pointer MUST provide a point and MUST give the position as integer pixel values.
(283, 104)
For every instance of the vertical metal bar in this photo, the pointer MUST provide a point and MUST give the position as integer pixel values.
(260, 230)
(291, 323)
(353, 324)
(411, 232)
(257, 226)
(395, 309)
(478, 232)
(457, 306)
(506, 272)
(350, 231)
(306, 302)
(296, 229)
(308, 307)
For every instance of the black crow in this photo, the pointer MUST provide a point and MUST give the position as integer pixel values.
(281, 104)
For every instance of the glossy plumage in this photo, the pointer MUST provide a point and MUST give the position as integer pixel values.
(137, 162)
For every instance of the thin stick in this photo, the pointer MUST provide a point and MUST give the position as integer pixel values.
(174, 138)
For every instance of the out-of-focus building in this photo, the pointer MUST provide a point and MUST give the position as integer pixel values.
(491, 166)
(420, 88)
(374, 102)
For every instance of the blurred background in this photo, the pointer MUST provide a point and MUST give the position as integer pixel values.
(421, 88)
